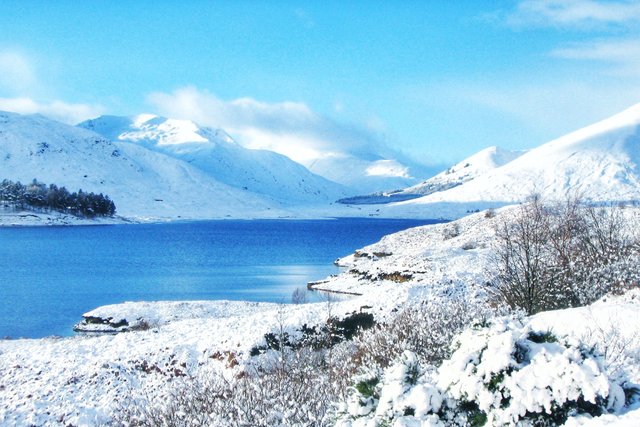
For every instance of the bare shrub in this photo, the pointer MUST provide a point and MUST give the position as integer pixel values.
(560, 255)
(469, 246)
(426, 329)
(299, 296)
(619, 350)
(451, 231)
(286, 387)
(523, 256)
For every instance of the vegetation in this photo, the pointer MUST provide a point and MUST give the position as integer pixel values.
(559, 255)
(444, 361)
(39, 196)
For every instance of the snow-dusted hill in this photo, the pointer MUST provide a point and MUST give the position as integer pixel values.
(142, 183)
(464, 171)
(216, 154)
(598, 163)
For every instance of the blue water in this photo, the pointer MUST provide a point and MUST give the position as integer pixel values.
(50, 276)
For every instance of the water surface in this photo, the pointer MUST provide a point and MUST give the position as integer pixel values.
(50, 276)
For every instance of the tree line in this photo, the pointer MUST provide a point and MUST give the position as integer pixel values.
(38, 195)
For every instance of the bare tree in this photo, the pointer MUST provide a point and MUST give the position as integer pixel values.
(560, 255)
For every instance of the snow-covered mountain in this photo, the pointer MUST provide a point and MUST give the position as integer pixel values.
(141, 182)
(464, 171)
(598, 163)
(215, 153)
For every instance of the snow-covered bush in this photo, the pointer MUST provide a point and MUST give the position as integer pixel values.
(501, 373)
(401, 396)
(270, 391)
(426, 328)
(505, 374)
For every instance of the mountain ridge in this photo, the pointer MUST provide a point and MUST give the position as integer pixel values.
(598, 163)
(215, 153)
(142, 183)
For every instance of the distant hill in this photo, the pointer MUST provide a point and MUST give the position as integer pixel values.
(599, 163)
(143, 183)
(216, 154)
(464, 171)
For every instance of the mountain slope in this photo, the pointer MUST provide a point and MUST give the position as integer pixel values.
(464, 171)
(598, 163)
(215, 153)
(141, 182)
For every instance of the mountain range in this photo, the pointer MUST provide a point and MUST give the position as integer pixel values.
(598, 162)
(215, 153)
(155, 167)
(148, 179)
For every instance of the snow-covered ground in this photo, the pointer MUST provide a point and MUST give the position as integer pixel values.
(27, 218)
(82, 380)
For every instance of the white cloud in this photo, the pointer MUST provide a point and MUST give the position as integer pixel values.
(388, 168)
(575, 13)
(17, 74)
(622, 56)
(290, 128)
(56, 110)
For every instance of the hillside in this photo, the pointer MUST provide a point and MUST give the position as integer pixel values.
(217, 155)
(142, 183)
(598, 163)
(464, 171)
(178, 347)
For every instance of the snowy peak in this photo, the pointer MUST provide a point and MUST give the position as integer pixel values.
(466, 170)
(216, 154)
(155, 130)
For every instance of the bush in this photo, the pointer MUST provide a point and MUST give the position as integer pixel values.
(404, 391)
(281, 388)
(510, 374)
(552, 256)
(426, 329)
(500, 374)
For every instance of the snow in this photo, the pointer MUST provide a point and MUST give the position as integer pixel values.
(82, 379)
(468, 169)
(216, 154)
(599, 162)
(143, 184)
(390, 168)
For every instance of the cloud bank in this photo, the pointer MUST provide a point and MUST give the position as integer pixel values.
(19, 83)
(575, 13)
(289, 128)
(56, 110)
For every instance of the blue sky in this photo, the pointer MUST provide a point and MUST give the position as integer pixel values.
(438, 80)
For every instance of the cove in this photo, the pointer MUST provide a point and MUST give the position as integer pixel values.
(50, 276)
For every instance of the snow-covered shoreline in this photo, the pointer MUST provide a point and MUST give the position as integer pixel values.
(83, 380)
